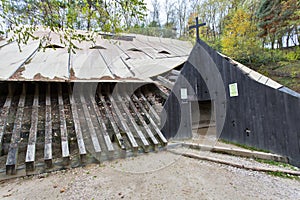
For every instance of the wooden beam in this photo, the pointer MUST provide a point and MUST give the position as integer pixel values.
(145, 125)
(165, 82)
(154, 125)
(30, 154)
(90, 125)
(123, 124)
(117, 133)
(63, 128)
(12, 157)
(4, 114)
(135, 126)
(107, 140)
(78, 131)
(48, 130)
(151, 109)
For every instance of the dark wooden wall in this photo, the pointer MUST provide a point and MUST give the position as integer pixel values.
(261, 116)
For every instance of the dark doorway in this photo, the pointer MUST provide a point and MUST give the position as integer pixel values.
(203, 118)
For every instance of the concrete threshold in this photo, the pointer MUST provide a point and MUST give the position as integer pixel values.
(233, 151)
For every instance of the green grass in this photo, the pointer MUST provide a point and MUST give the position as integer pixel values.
(275, 163)
(280, 164)
(244, 146)
(284, 175)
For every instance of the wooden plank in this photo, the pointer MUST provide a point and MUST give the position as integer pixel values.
(165, 82)
(135, 126)
(154, 125)
(107, 140)
(30, 154)
(124, 126)
(91, 128)
(63, 128)
(151, 109)
(78, 131)
(4, 113)
(117, 133)
(140, 117)
(48, 130)
(12, 157)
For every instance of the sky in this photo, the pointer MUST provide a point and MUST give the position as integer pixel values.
(162, 15)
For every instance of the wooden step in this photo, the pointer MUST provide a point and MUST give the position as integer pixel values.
(12, 157)
(30, 154)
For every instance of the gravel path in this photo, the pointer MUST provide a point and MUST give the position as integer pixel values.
(160, 175)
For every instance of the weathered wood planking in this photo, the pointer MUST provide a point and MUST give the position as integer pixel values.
(30, 154)
(48, 130)
(125, 127)
(140, 117)
(4, 114)
(165, 82)
(151, 109)
(154, 125)
(63, 127)
(90, 125)
(117, 133)
(12, 157)
(134, 124)
(107, 140)
(78, 131)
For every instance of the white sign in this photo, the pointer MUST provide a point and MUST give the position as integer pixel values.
(183, 93)
(233, 90)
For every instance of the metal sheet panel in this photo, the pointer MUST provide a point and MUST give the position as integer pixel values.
(50, 64)
(149, 68)
(110, 60)
(12, 58)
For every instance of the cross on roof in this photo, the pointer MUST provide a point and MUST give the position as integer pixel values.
(197, 26)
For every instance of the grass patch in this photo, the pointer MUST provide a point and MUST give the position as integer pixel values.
(275, 163)
(244, 146)
(284, 175)
(280, 164)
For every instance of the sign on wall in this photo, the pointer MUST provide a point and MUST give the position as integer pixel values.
(233, 90)
(183, 93)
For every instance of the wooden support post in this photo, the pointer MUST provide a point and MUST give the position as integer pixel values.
(151, 109)
(135, 126)
(123, 124)
(117, 133)
(12, 157)
(91, 128)
(63, 128)
(107, 140)
(4, 113)
(78, 131)
(48, 130)
(154, 125)
(145, 125)
(30, 154)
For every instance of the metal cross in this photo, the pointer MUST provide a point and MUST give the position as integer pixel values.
(197, 26)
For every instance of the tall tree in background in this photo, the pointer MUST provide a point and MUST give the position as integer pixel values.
(155, 14)
(182, 15)
(239, 38)
(67, 15)
(274, 16)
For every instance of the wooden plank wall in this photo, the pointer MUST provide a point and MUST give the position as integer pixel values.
(261, 116)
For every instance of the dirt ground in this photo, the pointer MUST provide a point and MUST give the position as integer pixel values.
(160, 175)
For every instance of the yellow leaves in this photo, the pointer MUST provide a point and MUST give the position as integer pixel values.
(239, 38)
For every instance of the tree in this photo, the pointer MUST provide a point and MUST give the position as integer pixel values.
(239, 39)
(273, 16)
(63, 16)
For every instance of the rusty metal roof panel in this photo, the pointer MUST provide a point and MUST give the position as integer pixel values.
(47, 64)
(12, 58)
(135, 59)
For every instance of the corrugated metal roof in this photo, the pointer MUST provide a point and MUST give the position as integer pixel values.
(102, 61)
